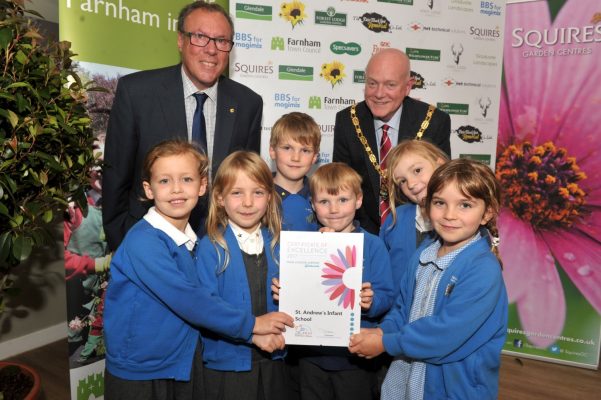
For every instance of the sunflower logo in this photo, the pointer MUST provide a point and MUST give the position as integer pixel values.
(341, 273)
(333, 72)
(293, 12)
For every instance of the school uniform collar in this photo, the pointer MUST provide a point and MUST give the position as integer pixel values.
(429, 255)
(304, 192)
(250, 243)
(421, 224)
(187, 237)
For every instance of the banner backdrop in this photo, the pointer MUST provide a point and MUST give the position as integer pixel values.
(310, 56)
(549, 164)
(300, 56)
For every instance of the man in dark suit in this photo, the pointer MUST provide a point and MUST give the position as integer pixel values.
(153, 106)
(387, 107)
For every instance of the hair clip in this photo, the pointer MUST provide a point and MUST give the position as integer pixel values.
(495, 241)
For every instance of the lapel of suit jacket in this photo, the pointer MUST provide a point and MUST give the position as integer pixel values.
(171, 98)
(227, 106)
(366, 121)
(409, 120)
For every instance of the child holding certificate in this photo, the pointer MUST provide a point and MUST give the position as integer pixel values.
(410, 165)
(155, 301)
(332, 372)
(237, 260)
(294, 146)
(449, 323)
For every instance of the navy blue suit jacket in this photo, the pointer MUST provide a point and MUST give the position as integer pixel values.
(148, 109)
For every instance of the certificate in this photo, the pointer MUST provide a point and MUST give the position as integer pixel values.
(320, 280)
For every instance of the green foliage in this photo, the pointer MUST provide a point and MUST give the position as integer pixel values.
(45, 137)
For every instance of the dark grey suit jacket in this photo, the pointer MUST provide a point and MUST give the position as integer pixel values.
(348, 148)
(148, 109)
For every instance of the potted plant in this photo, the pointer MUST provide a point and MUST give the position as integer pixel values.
(18, 381)
(45, 138)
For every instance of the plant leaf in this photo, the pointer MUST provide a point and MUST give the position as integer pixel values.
(47, 217)
(6, 35)
(21, 57)
(12, 118)
(4, 246)
(22, 248)
(43, 178)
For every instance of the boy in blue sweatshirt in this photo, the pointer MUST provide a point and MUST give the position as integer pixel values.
(332, 372)
(294, 147)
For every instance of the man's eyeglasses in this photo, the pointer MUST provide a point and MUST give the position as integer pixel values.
(200, 40)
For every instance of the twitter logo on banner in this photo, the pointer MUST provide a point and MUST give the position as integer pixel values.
(554, 349)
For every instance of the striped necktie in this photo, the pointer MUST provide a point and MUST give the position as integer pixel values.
(385, 146)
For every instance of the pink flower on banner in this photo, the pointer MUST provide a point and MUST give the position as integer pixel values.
(337, 275)
(549, 165)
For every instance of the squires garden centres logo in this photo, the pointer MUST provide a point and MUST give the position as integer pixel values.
(293, 12)
(333, 72)
(541, 43)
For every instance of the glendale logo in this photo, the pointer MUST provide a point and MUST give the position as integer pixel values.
(295, 73)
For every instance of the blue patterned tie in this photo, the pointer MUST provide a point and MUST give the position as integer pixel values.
(199, 130)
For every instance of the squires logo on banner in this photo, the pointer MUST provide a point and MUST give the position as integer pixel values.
(540, 43)
(254, 70)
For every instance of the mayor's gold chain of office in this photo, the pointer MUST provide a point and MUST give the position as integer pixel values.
(370, 154)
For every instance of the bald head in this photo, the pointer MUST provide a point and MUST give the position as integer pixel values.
(393, 58)
(387, 82)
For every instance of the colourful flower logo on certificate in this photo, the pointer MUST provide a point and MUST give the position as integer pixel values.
(339, 274)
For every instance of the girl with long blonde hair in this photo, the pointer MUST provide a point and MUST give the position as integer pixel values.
(237, 261)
